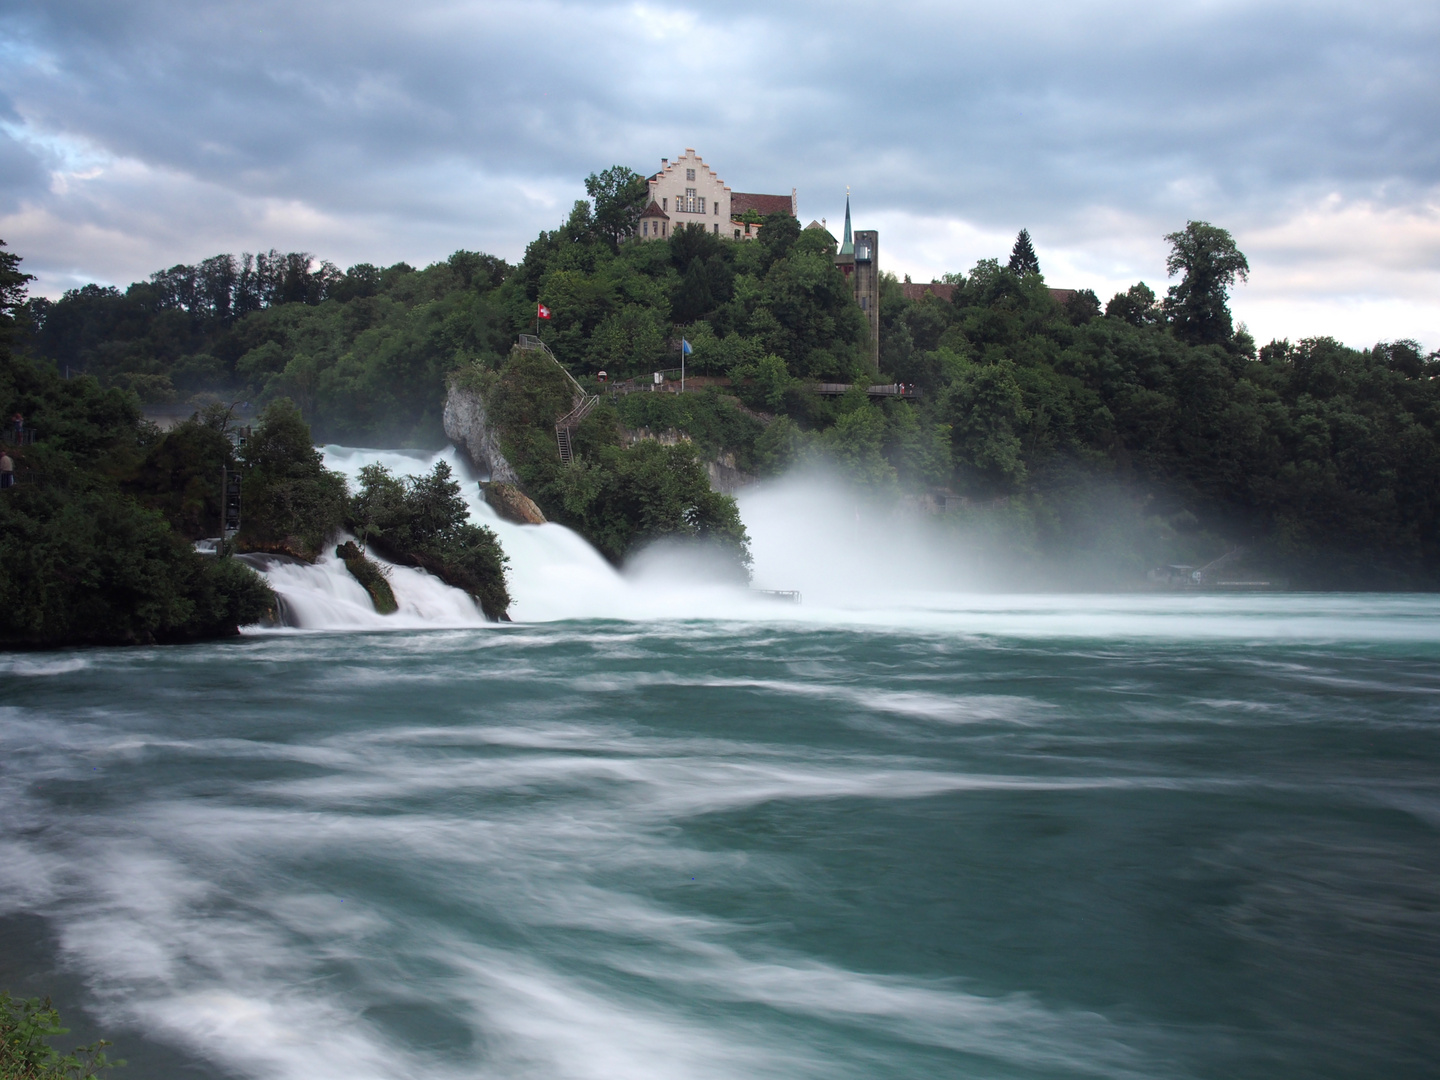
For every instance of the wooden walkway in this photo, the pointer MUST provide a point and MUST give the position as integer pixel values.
(883, 390)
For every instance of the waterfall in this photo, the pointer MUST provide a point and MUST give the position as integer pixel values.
(324, 596)
(553, 573)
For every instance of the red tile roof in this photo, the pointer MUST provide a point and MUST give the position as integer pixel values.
(653, 210)
(915, 292)
(741, 201)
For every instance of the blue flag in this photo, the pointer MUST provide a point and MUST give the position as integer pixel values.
(685, 347)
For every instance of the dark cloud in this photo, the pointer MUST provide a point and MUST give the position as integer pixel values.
(479, 119)
(22, 175)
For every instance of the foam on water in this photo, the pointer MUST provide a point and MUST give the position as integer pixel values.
(553, 573)
(665, 828)
(717, 850)
(325, 596)
(854, 569)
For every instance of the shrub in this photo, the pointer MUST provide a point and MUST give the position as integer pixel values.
(26, 1027)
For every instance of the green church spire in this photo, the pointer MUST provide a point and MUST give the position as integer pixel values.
(847, 247)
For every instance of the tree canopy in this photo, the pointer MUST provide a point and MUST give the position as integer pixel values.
(1198, 307)
(1023, 259)
(619, 196)
(1311, 452)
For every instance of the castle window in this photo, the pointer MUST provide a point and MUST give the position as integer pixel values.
(644, 228)
(737, 234)
(691, 203)
(665, 204)
(689, 174)
(717, 228)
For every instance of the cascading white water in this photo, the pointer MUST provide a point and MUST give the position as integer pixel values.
(855, 570)
(553, 573)
(324, 596)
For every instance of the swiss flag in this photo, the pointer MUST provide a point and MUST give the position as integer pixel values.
(542, 312)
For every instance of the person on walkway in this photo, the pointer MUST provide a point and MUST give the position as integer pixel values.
(7, 470)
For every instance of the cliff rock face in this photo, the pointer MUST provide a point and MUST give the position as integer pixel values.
(467, 425)
(725, 477)
(512, 504)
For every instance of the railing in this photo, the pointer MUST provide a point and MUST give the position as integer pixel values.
(24, 437)
(583, 401)
(899, 390)
(788, 595)
(569, 422)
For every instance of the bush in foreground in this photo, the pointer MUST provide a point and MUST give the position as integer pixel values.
(26, 1027)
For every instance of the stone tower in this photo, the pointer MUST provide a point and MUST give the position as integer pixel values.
(859, 260)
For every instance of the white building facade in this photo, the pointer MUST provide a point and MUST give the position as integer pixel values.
(689, 193)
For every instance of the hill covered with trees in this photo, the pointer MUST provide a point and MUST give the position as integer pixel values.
(1144, 430)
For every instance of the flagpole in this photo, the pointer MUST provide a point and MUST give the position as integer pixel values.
(682, 364)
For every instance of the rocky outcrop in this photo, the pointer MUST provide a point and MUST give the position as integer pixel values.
(725, 477)
(468, 426)
(511, 503)
(370, 575)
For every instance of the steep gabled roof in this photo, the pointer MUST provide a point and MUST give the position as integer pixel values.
(743, 201)
(654, 211)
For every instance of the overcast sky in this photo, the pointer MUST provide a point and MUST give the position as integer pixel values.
(140, 134)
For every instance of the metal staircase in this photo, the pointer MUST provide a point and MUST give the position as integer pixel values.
(569, 422)
(582, 402)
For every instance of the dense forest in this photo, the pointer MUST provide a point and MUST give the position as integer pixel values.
(100, 509)
(1142, 430)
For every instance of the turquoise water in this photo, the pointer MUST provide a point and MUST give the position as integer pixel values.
(1157, 837)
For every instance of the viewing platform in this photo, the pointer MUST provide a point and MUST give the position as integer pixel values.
(882, 390)
(667, 381)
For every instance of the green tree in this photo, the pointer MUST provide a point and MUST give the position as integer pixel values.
(1082, 306)
(26, 1028)
(81, 560)
(12, 282)
(1135, 306)
(292, 502)
(619, 196)
(856, 444)
(693, 298)
(12, 292)
(986, 409)
(651, 492)
(423, 521)
(1198, 306)
(1023, 259)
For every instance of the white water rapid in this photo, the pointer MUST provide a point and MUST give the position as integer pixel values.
(553, 573)
(855, 568)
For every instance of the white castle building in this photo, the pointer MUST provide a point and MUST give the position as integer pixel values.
(686, 191)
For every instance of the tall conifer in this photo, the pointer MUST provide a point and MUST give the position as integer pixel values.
(1022, 255)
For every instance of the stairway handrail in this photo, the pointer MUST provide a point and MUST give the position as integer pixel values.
(578, 413)
(532, 343)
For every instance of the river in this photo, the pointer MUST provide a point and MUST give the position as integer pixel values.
(659, 828)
